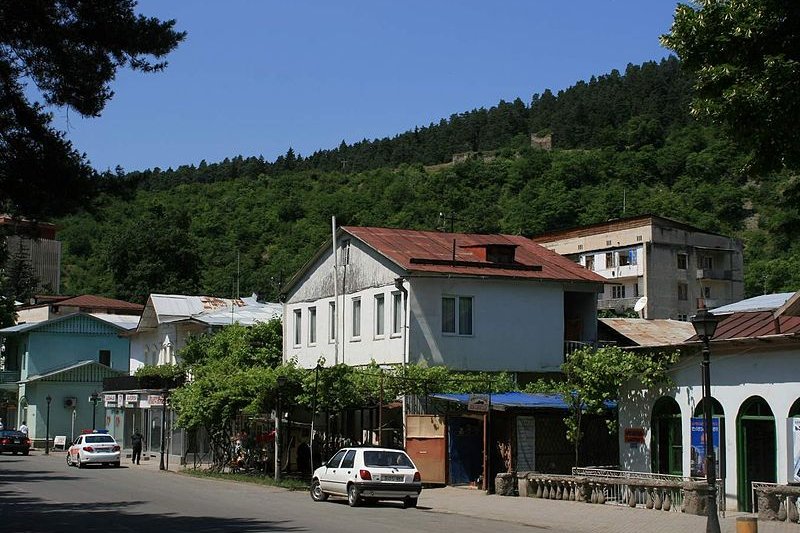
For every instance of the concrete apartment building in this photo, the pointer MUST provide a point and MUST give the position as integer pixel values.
(677, 267)
(36, 244)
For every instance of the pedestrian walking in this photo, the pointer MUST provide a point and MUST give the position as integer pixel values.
(136, 442)
(23, 429)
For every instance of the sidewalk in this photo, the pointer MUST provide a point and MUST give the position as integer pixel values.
(555, 514)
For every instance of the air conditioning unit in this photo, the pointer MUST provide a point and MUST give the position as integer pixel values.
(70, 402)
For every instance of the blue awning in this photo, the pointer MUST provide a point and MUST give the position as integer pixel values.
(517, 399)
(513, 399)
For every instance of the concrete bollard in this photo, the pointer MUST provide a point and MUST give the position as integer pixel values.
(746, 524)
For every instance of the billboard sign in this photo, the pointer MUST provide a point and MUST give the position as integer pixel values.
(698, 450)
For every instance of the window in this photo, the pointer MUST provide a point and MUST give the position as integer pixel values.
(379, 315)
(580, 247)
(312, 325)
(638, 238)
(356, 318)
(706, 292)
(297, 326)
(105, 357)
(636, 290)
(610, 260)
(397, 312)
(618, 291)
(683, 261)
(682, 318)
(627, 257)
(457, 315)
(683, 291)
(336, 459)
(332, 321)
(608, 243)
(707, 262)
(589, 260)
(349, 459)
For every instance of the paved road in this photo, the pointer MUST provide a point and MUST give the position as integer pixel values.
(41, 494)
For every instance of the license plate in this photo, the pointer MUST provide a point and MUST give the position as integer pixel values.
(16, 441)
(391, 477)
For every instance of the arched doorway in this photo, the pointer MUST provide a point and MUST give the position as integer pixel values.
(666, 440)
(717, 412)
(794, 457)
(756, 458)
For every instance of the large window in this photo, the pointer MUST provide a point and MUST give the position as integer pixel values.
(312, 325)
(627, 257)
(683, 261)
(589, 262)
(457, 315)
(380, 314)
(610, 260)
(397, 313)
(297, 327)
(332, 321)
(356, 318)
(105, 357)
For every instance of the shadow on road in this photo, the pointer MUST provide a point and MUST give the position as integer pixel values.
(31, 514)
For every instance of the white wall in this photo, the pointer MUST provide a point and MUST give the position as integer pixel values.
(518, 326)
(735, 376)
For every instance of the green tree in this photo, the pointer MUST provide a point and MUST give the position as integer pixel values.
(592, 379)
(745, 59)
(71, 51)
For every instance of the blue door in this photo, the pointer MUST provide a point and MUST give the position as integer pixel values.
(465, 449)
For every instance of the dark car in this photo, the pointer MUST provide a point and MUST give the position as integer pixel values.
(14, 442)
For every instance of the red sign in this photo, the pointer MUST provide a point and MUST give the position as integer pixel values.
(635, 435)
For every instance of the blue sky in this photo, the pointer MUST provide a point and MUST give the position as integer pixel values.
(256, 77)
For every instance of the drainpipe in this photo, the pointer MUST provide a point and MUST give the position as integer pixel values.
(399, 283)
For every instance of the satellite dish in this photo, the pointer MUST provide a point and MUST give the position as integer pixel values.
(641, 303)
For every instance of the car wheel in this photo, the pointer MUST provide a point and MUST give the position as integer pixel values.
(316, 492)
(78, 462)
(69, 460)
(409, 502)
(353, 497)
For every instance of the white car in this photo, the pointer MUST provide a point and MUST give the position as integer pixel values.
(368, 474)
(94, 448)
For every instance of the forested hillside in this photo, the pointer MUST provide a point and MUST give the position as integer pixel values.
(624, 144)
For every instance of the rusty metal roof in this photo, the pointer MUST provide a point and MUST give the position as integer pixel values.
(645, 332)
(456, 254)
(99, 302)
(755, 324)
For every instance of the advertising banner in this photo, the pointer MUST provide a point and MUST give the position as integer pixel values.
(794, 449)
(698, 451)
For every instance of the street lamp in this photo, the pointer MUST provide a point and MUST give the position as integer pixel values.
(47, 427)
(281, 382)
(164, 394)
(705, 324)
(94, 398)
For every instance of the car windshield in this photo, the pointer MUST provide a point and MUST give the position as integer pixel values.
(387, 458)
(98, 439)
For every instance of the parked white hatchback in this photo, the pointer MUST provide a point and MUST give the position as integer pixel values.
(94, 448)
(368, 474)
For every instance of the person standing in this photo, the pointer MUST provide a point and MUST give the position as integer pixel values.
(136, 442)
(24, 429)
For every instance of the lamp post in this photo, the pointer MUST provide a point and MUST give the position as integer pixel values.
(164, 394)
(705, 324)
(47, 427)
(94, 398)
(281, 381)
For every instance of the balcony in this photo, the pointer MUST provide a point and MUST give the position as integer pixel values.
(712, 273)
(617, 304)
(9, 376)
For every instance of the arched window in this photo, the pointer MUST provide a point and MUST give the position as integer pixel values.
(757, 457)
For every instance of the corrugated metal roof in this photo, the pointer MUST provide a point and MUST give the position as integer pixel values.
(755, 324)
(211, 310)
(656, 332)
(128, 322)
(72, 366)
(765, 302)
(27, 326)
(432, 252)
